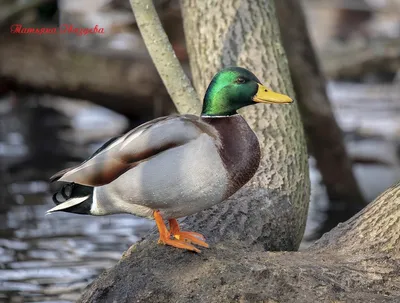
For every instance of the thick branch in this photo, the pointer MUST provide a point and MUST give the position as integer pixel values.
(42, 64)
(355, 262)
(375, 230)
(377, 56)
(175, 80)
(323, 133)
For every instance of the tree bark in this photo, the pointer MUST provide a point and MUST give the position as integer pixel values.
(164, 58)
(42, 64)
(246, 33)
(358, 261)
(325, 139)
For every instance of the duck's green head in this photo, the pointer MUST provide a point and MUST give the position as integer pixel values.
(235, 87)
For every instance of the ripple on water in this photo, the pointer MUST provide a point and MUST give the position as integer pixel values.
(53, 258)
(56, 256)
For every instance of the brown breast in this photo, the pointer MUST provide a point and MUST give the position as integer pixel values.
(240, 150)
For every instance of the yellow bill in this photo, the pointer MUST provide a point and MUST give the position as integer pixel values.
(265, 95)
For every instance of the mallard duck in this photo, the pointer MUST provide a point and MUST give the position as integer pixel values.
(173, 166)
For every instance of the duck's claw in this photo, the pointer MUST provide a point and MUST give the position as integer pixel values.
(188, 236)
(180, 239)
(178, 244)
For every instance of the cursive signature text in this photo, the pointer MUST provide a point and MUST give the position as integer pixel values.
(63, 29)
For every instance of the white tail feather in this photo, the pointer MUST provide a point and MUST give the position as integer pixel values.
(67, 204)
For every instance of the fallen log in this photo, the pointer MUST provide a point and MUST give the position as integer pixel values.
(11, 11)
(355, 62)
(42, 64)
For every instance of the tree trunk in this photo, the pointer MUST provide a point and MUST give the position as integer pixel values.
(246, 33)
(324, 136)
(358, 261)
(42, 64)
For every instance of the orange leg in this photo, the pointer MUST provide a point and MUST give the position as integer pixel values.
(186, 236)
(165, 235)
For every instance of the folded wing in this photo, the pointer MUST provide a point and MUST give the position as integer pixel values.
(140, 144)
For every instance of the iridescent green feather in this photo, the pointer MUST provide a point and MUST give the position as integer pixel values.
(226, 92)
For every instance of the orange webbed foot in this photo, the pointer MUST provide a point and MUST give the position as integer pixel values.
(187, 236)
(165, 235)
(178, 244)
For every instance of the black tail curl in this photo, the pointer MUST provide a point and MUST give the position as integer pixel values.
(71, 191)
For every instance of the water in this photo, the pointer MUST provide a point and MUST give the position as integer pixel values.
(53, 258)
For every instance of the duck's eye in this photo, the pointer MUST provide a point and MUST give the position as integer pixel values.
(240, 80)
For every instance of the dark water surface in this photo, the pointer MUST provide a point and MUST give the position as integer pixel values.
(52, 258)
